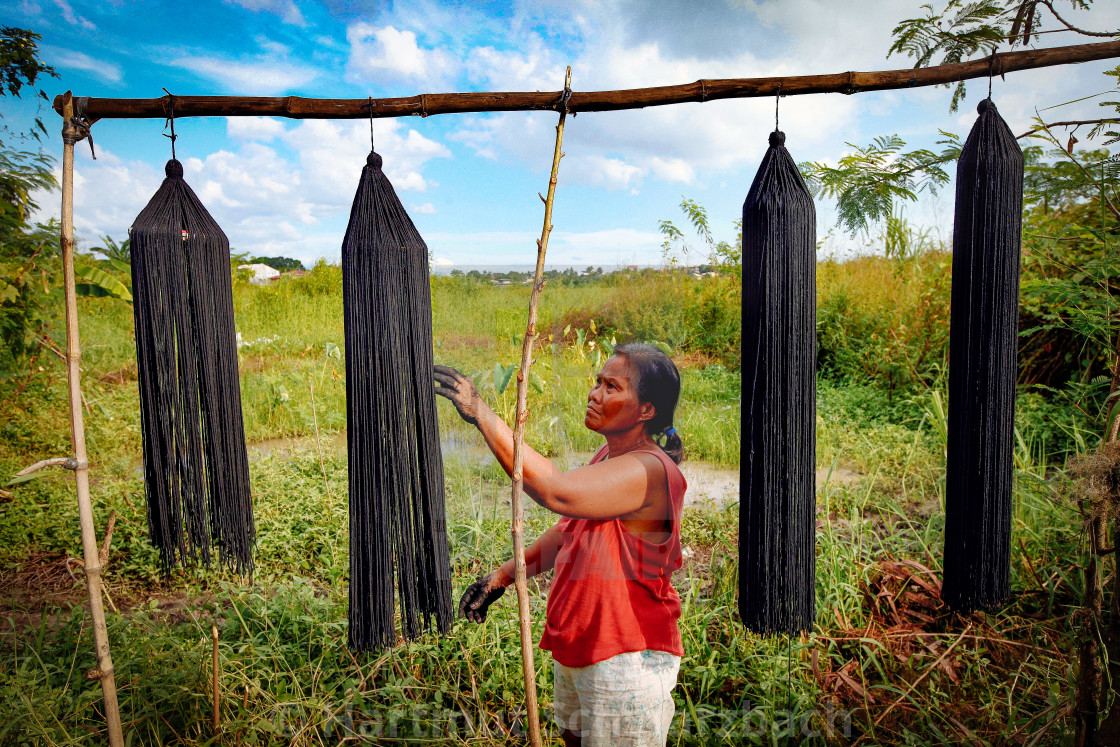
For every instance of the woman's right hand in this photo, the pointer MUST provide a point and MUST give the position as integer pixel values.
(479, 596)
(457, 387)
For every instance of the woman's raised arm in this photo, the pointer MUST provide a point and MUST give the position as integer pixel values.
(598, 491)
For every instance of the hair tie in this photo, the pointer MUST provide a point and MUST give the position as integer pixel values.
(670, 431)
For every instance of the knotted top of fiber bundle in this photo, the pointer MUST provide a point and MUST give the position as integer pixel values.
(176, 204)
(778, 182)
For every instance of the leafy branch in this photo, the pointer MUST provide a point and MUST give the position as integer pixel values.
(866, 182)
(20, 66)
(961, 30)
(719, 252)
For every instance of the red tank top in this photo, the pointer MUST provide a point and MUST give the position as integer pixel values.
(613, 590)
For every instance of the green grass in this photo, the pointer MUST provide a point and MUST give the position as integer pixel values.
(287, 676)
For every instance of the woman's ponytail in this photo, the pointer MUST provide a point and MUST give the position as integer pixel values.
(671, 444)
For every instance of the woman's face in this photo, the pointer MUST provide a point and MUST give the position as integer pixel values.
(612, 404)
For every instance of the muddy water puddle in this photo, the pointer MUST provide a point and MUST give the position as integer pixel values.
(707, 483)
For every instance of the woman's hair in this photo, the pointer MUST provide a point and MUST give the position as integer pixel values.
(658, 383)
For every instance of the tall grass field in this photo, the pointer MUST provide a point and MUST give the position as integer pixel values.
(885, 664)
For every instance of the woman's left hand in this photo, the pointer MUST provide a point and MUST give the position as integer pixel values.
(459, 388)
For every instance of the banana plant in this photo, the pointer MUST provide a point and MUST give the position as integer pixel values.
(97, 282)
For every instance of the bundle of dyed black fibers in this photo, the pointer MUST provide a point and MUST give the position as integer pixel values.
(777, 522)
(983, 342)
(396, 472)
(196, 474)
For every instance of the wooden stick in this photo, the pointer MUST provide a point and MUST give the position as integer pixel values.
(53, 462)
(296, 107)
(217, 689)
(90, 551)
(1089, 675)
(1067, 123)
(518, 527)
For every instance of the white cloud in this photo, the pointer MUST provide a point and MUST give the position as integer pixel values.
(426, 208)
(516, 70)
(72, 17)
(249, 78)
(287, 10)
(68, 59)
(609, 173)
(272, 47)
(264, 129)
(672, 169)
(620, 150)
(108, 194)
(387, 55)
(332, 154)
(266, 203)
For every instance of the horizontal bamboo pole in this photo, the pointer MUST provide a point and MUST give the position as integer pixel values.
(297, 107)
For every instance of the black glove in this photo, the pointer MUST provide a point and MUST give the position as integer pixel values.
(478, 597)
(458, 388)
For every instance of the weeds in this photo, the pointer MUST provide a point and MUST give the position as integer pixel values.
(884, 662)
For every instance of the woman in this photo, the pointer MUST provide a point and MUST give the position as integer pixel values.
(612, 612)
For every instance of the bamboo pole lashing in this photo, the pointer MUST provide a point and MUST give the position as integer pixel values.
(71, 134)
(428, 104)
(64, 462)
(517, 528)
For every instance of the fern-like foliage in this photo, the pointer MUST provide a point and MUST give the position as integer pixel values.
(1110, 130)
(867, 181)
(956, 33)
(674, 246)
(966, 29)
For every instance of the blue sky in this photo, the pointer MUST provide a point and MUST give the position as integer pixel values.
(470, 182)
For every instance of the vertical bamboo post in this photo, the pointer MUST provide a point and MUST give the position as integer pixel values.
(70, 136)
(518, 526)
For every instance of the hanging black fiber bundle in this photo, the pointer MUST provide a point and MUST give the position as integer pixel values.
(196, 474)
(983, 341)
(396, 471)
(777, 522)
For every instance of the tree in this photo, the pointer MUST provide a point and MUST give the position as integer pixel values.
(27, 253)
(867, 183)
(113, 250)
(19, 67)
(963, 29)
(720, 253)
(283, 264)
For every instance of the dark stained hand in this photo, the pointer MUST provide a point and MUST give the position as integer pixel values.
(478, 597)
(458, 388)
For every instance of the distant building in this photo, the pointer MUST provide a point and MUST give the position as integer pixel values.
(293, 274)
(262, 274)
